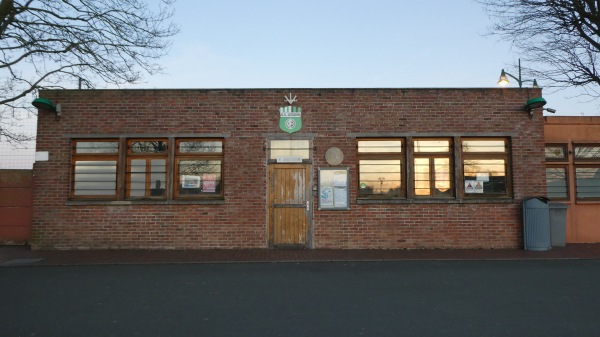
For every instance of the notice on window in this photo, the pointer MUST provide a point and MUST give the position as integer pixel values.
(209, 183)
(483, 177)
(333, 189)
(190, 181)
(340, 197)
(326, 197)
(339, 178)
(473, 186)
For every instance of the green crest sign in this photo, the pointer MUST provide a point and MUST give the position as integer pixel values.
(290, 118)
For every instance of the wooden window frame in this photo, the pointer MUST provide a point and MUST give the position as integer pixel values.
(432, 156)
(125, 154)
(148, 157)
(203, 156)
(578, 163)
(578, 166)
(565, 151)
(75, 157)
(585, 160)
(565, 167)
(505, 155)
(401, 156)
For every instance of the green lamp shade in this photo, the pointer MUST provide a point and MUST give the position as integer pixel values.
(45, 104)
(535, 103)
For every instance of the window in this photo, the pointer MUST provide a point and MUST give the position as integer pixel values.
(148, 169)
(587, 152)
(485, 167)
(380, 163)
(556, 182)
(556, 152)
(199, 164)
(94, 169)
(432, 168)
(587, 180)
(587, 171)
(289, 148)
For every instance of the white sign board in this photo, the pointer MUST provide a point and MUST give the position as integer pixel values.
(289, 159)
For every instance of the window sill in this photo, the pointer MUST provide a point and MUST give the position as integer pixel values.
(586, 201)
(435, 201)
(143, 202)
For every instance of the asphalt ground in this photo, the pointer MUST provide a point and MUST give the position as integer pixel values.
(512, 297)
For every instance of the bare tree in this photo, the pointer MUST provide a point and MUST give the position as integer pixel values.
(560, 37)
(50, 44)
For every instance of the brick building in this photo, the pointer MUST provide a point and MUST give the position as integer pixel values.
(258, 168)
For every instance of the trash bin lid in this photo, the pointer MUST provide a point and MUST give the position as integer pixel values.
(535, 202)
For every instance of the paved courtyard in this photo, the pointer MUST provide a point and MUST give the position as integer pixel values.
(525, 297)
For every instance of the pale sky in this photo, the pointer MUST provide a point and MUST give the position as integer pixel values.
(341, 44)
(334, 44)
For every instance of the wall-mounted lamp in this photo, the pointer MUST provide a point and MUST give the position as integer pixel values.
(46, 104)
(534, 103)
(503, 81)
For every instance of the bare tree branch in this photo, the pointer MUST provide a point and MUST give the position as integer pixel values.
(560, 37)
(49, 43)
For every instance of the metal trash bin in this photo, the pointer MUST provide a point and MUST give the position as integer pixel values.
(536, 224)
(558, 224)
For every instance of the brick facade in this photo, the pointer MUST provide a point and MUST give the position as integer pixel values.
(331, 117)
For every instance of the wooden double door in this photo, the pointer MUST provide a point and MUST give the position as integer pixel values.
(290, 204)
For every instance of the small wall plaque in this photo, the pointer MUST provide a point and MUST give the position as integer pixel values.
(289, 159)
(334, 156)
(41, 156)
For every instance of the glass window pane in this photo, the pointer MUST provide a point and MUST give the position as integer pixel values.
(95, 178)
(442, 176)
(489, 176)
(422, 183)
(556, 182)
(157, 146)
(555, 152)
(432, 146)
(290, 148)
(587, 152)
(96, 147)
(380, 177)
(587, 180)
(380, 146)
(496, 146)
(137, 178)
(158, 176)
(199, 177)
(197, 146)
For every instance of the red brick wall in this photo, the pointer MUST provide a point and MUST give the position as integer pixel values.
(249, 116)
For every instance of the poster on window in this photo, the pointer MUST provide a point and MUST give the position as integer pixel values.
(339, 178)
(473, 186)
(485, 177)
(209, 183)
(340, 197)
(190, 181)
(333, 189)
(326, 197)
